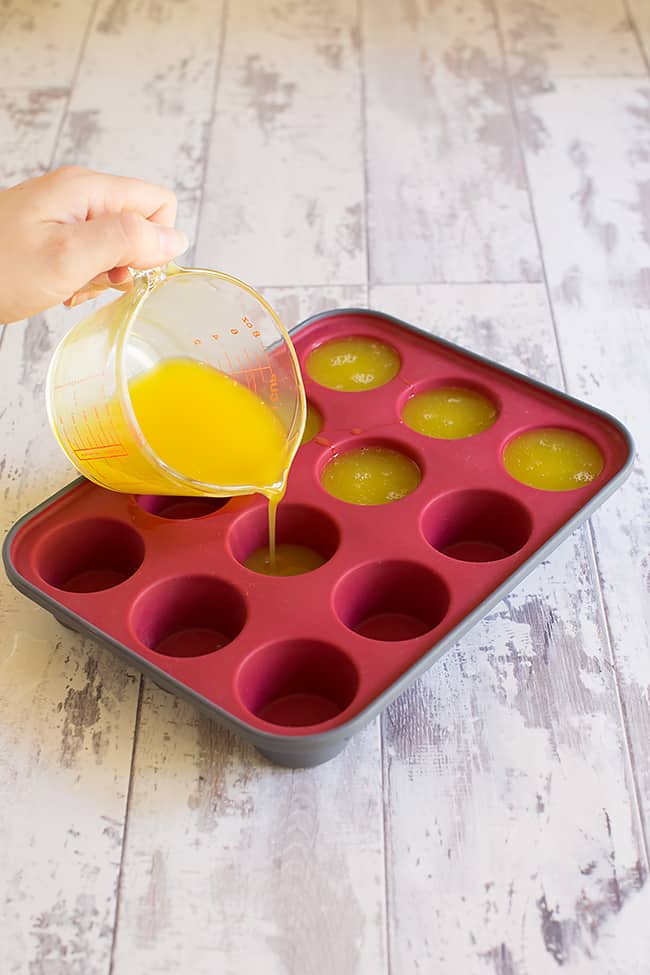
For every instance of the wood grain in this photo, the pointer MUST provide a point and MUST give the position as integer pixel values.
(446, 191)
(66, 709)
(287, 115)
(594, 169)
(42, 41)
(155, 120)
(496, 819)
(547, 39)
(511, 753)
(29, 123)
(268, 869)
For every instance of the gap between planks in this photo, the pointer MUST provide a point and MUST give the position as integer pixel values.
(591, 550)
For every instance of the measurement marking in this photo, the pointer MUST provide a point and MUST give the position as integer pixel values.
(102, 432)
(250, 371)
(112, 429)
(77, 382)
(259, 369)
(101, 452)
(77, 434)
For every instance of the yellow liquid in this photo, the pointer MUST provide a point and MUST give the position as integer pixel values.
(553, 459)
(290, 560)
(371, 475)
(353, 365)
(449, 413)
(210, 428)
(313, 424)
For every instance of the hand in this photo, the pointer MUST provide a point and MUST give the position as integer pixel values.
(70, 234)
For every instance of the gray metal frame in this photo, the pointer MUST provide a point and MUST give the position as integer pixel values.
(306, 750)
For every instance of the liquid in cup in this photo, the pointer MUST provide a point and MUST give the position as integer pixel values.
(187, 385)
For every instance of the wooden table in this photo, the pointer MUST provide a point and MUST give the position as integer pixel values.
(483, 170)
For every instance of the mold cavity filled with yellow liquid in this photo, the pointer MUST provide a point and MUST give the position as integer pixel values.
(313, 424)
(553, 459)
(353, 364)
(210, 428)
(371, 475)
(290, 560)
(449, 413)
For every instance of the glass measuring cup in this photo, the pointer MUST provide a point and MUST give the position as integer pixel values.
(170, 313)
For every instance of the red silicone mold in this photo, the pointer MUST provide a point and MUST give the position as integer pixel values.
(297, 664)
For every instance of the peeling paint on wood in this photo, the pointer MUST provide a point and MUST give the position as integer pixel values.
(600, 287)
(517, 734)
(274, 862)
(41, 41)
(288, 113)
(548, 39)
(154, 122)
(446, 190)
(29, 122)
(493, 821)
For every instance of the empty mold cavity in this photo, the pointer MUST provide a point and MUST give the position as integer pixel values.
(189, 616)
(313, 424)
(90, 555)
(370, 474)
(298, 528)
(353, 364)
(166, 506)
(296, 683)
(391, 601)
(451, 411)
(476, 526)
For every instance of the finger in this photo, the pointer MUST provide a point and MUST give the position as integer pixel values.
(120, 275)
(80, 194)
(111, 194)
(81, 251)
(95, 287)
(117, 277)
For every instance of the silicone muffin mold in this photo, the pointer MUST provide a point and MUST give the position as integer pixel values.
(298, 664)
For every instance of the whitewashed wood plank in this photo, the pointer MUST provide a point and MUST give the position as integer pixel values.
(66, 711)
(143, 100)
(284, 189)
(607, 355)
(447, 196)
(546, 39)
(29, 122)
(639, 12)
(594, 168)
(69, 709)
(41, 41)
(590, 173)
(294, 305)
(233, 865)
(513, 838)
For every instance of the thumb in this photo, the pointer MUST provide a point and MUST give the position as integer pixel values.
(117, 240)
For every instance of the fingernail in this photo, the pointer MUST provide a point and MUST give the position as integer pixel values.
(172, 241)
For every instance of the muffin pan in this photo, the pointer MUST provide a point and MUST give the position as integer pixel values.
(296, 665)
